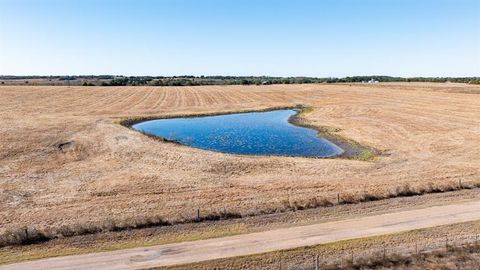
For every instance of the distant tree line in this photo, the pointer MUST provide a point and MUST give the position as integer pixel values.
(264, 80)
(188, 80)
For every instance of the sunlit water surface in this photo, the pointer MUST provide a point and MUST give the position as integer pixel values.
(254, 133)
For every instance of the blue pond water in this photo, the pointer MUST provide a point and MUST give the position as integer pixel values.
(256, 133)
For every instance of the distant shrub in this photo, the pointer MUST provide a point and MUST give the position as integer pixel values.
(477, 81)
(406, 191)
(349, 199)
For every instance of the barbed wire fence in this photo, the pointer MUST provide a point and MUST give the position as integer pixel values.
(348, 257)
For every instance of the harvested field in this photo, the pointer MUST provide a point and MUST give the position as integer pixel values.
(65, 160)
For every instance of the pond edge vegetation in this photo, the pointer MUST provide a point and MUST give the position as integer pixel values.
(352, 149)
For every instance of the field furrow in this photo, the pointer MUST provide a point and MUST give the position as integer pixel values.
(427, 134)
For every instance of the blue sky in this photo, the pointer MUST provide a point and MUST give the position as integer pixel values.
(243, 37)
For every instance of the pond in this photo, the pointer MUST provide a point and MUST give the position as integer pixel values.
(253, 133)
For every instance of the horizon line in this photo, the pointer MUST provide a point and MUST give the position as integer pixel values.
(238, 76)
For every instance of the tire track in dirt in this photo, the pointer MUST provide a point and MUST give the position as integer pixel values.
(224, 96)
(149, 104)
(161, 98)
(171, 96)
(123, 105)
(109, 94)
(211, 98)
(178, 98)
(244, 97)
(119, 96)
(140, 104)
(195, 100)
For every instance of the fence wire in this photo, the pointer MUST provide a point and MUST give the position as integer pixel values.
(313, 260)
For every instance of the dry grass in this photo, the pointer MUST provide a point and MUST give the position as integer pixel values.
(463, 256)
(417, 249)
(31, 235)
(158, 235)
(64, 160)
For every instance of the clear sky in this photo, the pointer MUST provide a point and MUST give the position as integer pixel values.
(320, 38)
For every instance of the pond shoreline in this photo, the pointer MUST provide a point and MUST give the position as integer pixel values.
(351, 148)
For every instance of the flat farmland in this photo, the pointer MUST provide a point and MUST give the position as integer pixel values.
(65, 160)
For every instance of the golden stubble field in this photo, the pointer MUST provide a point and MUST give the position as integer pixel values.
(64, 159)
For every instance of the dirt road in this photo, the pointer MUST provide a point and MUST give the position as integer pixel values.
(188, 252)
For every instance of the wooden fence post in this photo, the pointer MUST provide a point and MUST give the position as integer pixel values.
(281, 261)
(338, 198)
(198, 214)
